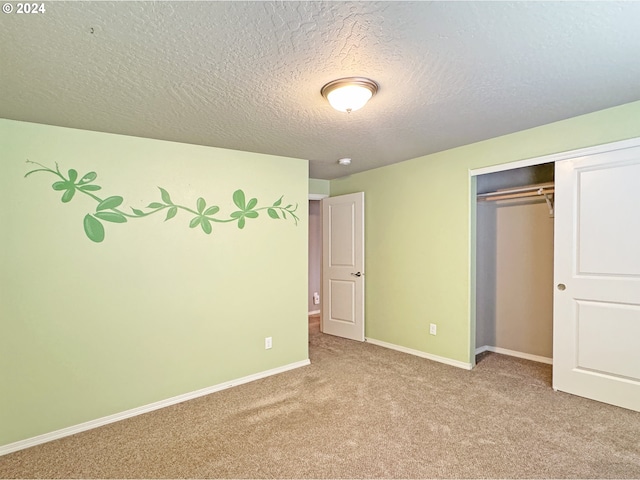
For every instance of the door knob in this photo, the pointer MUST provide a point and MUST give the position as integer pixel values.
(561, 286)
(357, 274)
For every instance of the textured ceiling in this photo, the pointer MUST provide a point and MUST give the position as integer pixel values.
(247, 75)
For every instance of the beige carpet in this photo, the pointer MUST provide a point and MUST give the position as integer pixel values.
(360, 411)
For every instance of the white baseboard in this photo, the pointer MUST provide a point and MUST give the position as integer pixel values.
(513, 353)
(99, 422)
(418, 353)
(314, 312)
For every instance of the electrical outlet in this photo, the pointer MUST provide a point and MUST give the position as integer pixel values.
(268, 343)
(316, 298)
(433, 329)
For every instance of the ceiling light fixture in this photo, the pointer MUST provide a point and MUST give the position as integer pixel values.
(344, 162)
(349, 94)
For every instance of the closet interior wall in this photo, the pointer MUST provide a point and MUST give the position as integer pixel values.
(315, 253)
(514, 286)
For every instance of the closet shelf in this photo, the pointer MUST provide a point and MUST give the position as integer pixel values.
(543, 189)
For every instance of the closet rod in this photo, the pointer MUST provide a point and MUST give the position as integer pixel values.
(533, 190)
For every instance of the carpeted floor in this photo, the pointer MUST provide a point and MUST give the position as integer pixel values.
(360, 411)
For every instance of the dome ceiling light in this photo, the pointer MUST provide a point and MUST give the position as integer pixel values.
(344, 162)
(349, 94)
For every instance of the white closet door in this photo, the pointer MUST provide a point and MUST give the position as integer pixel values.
(596, 333)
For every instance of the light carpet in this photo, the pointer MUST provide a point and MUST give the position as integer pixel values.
(360, 411)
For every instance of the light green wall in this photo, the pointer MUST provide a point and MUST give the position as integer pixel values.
(417, 229)
(319, 186)
(157, 309)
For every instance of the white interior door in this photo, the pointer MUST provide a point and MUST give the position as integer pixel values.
(596, 335)
(343, 266)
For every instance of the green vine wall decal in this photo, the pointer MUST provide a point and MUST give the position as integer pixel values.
(109, 209)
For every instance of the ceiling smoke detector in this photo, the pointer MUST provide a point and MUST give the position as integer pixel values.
(344, 162)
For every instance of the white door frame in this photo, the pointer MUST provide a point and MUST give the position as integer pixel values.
(317, 196)
(554, 157)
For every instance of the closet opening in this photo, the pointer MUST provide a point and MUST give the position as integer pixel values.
(514, 262)
(315, 261)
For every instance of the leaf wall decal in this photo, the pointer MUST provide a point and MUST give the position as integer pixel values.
(238, 199)
(89, 177)
(172, 212)
(165, 196)
(108, 209)
(111, 217)
(272, 213)
(68, 195)
(109, 203)
(93, 228)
